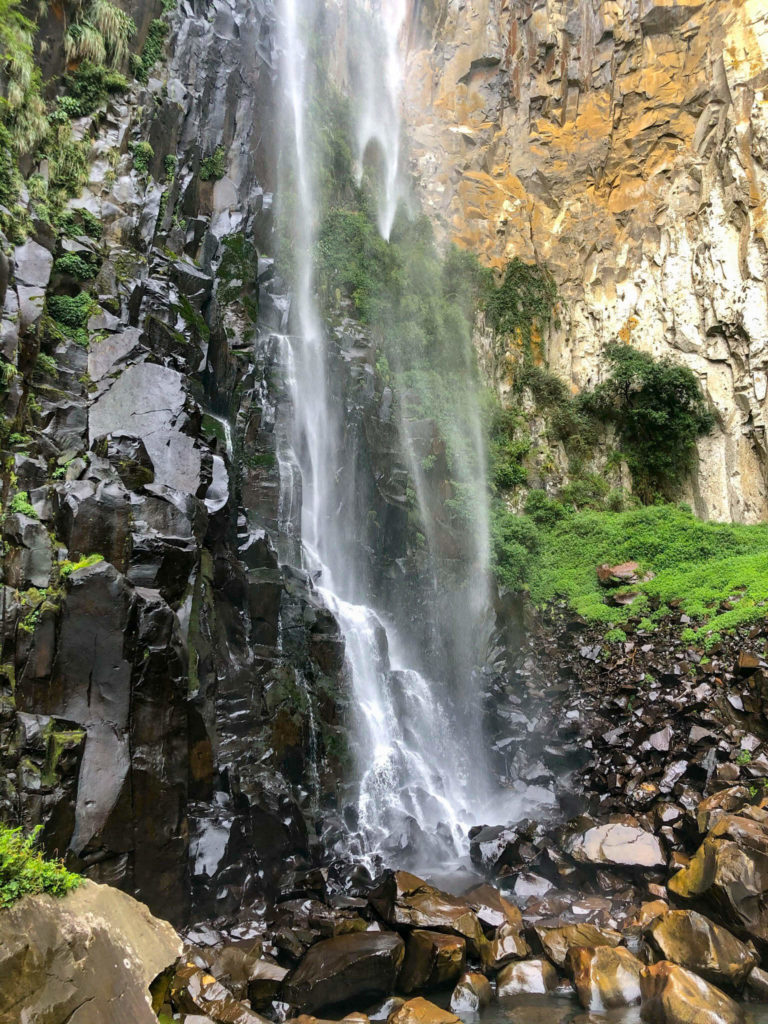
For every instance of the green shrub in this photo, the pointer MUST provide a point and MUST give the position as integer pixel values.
(542, 509)
(659, 412)
(71, 311)
(45, 366)
(169, 166)
(213, 167)
(515, 541)
(76, 222)
(524, 303)
(24, 871)
(151, 52)
(89, 87)
(615, 636)
(74, 266)
(142, 157)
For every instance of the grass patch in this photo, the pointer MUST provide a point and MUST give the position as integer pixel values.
(717, 573)
(25, 872)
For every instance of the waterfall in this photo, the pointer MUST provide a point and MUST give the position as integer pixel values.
(422, 779)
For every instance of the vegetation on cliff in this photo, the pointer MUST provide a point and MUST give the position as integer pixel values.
(25, 872)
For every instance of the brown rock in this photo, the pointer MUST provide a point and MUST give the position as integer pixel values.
(673, 995)
(491, 907)
(432, 959)
(714, 807)
(194, 991)
(508, 945)
(648, 912)
(526, 977)
(605, 977)
(731, 868)
(264, 982)
(362, 965)
(691, 940)
(472, 993)
(757, 985)
(421, 1011)
(558, 941)
(405, 899)
(621, 575)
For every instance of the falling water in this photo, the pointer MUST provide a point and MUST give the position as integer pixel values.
(416, 735)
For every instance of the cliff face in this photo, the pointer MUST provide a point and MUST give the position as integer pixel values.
(623, 143)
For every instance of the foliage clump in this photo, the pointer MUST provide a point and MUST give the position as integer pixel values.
(89, 87)
(68, 567)
(25, 872)
(151, 52)
(659, 411)
(20, 505)
(143, 155)
(73, 265)
(213, 167)
(524, 303)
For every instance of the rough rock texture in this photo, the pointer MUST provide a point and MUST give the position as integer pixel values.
(625, 145)
(689, 939)
(672, 995)
(605, 978)
(87, 958)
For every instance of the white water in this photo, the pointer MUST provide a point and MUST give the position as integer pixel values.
(422, 777)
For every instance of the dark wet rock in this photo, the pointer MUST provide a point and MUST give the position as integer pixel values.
(491, 907)
(264, 983)
(361, 966)
(673, 995)
(432, 959)
(605, 977)
(29, 558)
(33, 264)
(508, 944)
(526, 977)
(193, 991)
(756, 986)
(421, 1011)
(691, 940)
(473, 993)
(617, 844)
(96, 948)
(403, 899)
(726, 801)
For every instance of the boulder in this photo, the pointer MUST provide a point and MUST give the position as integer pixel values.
(621, 575)
(472, 993)
(264, 982)
(714, 807)
(526, 977)
(403, 899)
(507, 945)
(194, 991)
(432, 959)
(605, 977)
(672, 995)
(730, 869)
(691, 940)
(491, 907)
(421, 1011)
(617, 844)
(88, 958)
(361, 965)
(559, 940)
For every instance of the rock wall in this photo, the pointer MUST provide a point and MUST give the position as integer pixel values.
(623, 143)
(172, 696)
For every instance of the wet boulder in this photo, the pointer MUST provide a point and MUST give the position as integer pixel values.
(194, 992)
(432, 959)
(362, 965)
(508, 944)
(491, 908)
(716, 806)
(672, 995)
(97, 947)
(528, 977)
(403, 899)
(730, 869)
(605, 977)
(617, 844)
(421, 1011)
(557, 941)
(472, 993)
(691, 940)
(264, 982)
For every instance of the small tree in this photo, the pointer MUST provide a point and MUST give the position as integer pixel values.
(659, 411)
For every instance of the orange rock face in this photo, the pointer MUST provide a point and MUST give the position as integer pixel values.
(625, 145)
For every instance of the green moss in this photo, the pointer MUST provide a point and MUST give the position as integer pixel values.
(25, 872)
(67, 317)
(67, 568)
(214, 167)
(76, 222)
(45, 366)
(20, 505)
(89, 87)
